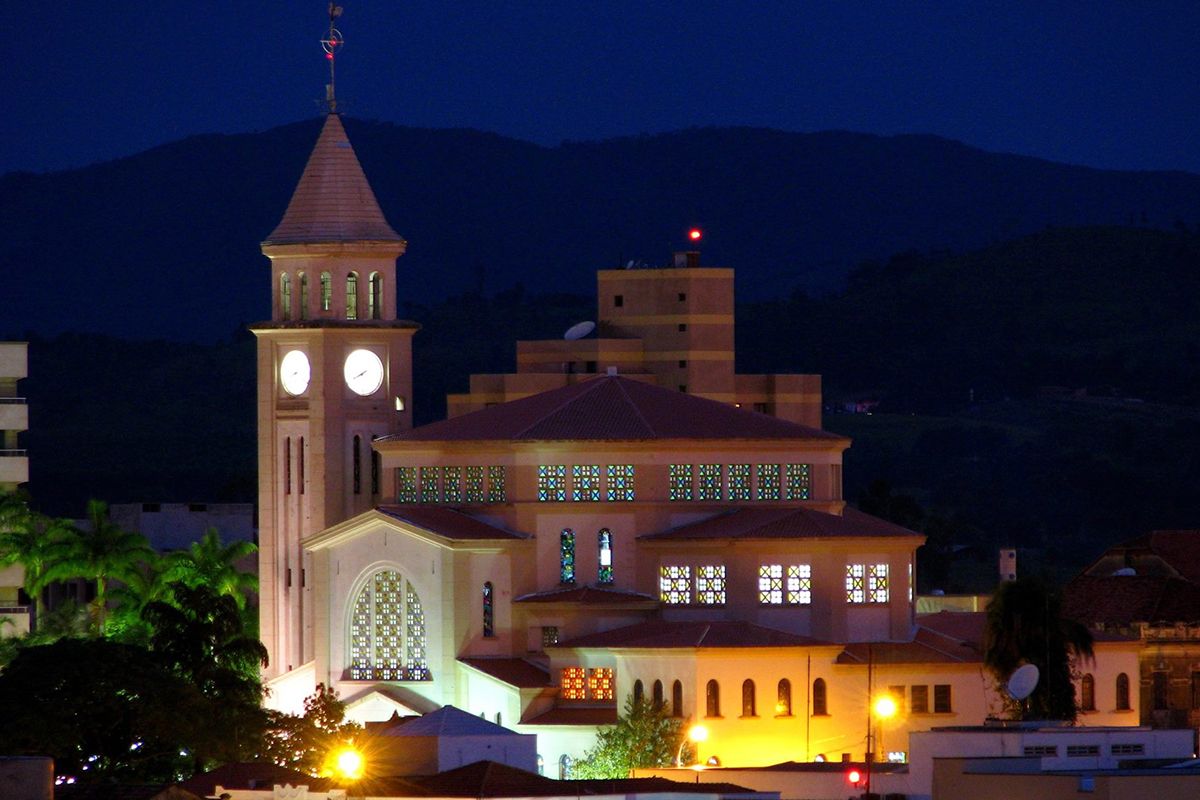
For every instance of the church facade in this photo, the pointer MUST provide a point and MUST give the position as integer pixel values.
(625, 516)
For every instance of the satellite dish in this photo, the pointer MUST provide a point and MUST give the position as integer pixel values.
(1023, 681)
(579, 330)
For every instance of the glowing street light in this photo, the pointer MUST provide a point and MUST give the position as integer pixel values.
(885, 707)
(348, 764)
(695, 734)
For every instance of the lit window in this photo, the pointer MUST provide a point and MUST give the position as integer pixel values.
(783, 699)
(680, 480)
(856, 591)
(566, 555)
(739, 482)
(352, 296)
(552, 483)
(496, 491)
(387, 631)
(877, 583)
(749, 708)
(675, 584)
(474, 485)
(285, 296)
(574, 683)
(710, 584)
(604, 544)
(429, 484)
(601, 683)
(770, 584)
(774, 590)
(710, 482)
(586, 483)
(712, 699)
(489, 618)
(866, 583)
(820, 707)
(768, 482)
(452, 484)
(326, 291)
(406, 484)
(799, 482)
(620, 482)
(799, 584)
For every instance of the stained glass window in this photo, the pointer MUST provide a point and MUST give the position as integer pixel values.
(877, 583)
(566, 555)
(387, 631)
(680, 482)
(710, 584)
(710, 482)
(574, 683)
(552, 483)
(799, 584)
(768, 482)
(429, 484)
(675, 584)
(770, 584)
(549, 635)
(620, 482)
(586, 480)
(799, 482)
(739, 482)
(604, 544)
(489, 611)
(601, 683)
(856, 583)
(406, 484)
(474, 485)
(452, 491)
(496, 491)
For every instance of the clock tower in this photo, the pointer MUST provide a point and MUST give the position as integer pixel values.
(334, 372)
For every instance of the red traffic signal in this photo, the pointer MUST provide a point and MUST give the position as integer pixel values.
(854, 777)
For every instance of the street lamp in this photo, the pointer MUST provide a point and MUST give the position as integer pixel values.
(348, 764)
(885, 708)
(695, 734)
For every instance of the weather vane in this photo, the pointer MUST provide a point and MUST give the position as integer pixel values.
(332, 42)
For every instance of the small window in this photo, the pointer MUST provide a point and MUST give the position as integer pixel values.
(549, 635)
(300, 463)
(682, 327)
(783, 699)
(541, 762)
(712, 699)
(682, 363)
(376, 468)
(1087, 693)
(357, 458)
(1082, 750)
(287, 466)
(639, 693)
(197, 508)
(1159, 691)
(303, 295)
(919, 699)
(897, 695)
(285, 296)
(1123, 692)
(748, 705)
(352, 296)
(819, 706)
(590, 366)
(489, 619)
(682, 296)
(618, 300)
(1195, 689)
(566, 556)
(326, 291)
(683, 387)
(564, 767)
(605, 545)
(657, 695)
(375, 295)
(498, 722)
(941, 698)
(677, 699)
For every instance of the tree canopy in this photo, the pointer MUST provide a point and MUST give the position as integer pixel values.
(644, 736)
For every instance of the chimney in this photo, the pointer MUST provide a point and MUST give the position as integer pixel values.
(1008, 564)
(687, 258)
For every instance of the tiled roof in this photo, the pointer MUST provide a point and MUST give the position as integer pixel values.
(782, 523)
(250, 775)
(948, 637)
(587, 596)
(663, 634)
(1175, 553)
(333, 201)
(1128, 599)
(514, 671)
(448, 522)
(446, 721)
(610, 407)
(574, 716)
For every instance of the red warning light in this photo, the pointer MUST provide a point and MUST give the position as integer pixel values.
(694, 234)
(853, 777)
(329, 56)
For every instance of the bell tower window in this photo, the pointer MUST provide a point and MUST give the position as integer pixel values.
(357, 464)
(352, 296)
(285, 296)
(303, 296)
(375, 295)
(326, 291)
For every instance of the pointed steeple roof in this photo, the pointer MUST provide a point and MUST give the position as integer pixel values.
(333, 201)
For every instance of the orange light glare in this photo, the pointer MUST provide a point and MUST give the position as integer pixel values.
(694, 234)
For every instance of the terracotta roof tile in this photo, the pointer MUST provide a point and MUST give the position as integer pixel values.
(574, 716)
(587, 595)
(782, 523)
(612, 408)
(448, 522)
(514, 671)
(663, 634)
(333, 201)
(1128, 599)
(948, 637)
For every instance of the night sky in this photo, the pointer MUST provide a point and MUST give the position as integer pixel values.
(1107, 84)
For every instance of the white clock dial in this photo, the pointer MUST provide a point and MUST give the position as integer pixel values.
(294, 372)
(364, 372)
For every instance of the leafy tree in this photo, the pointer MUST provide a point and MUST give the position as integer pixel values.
(1025, 626)
(644, 736)
(27, 538)
(209, 563)
(304, 742)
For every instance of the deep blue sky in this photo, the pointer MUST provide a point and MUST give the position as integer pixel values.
(1108, 84)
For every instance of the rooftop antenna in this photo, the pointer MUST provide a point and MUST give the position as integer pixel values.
(332, 42)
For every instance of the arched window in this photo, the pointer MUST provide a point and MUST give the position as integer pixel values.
(375, 295)
(326, 291)
(604, 544)
(1087, 693)
(376, 470)
(541, 762)
(498, 718)
(1123, 692)
(352, 296)
(357, 459)
(748, 705)
(300, 464)
(712, 699)
(303, 295)
(387, 631)
(819, 707)
(287, 465)
(564, 767)
(677, 699)
(566, 555)
(639, 693)
(783, 701)
(489, 618)
(657, 695)
(285, 295)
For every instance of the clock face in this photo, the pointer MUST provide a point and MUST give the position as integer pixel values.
(294, 372)
(364, 372)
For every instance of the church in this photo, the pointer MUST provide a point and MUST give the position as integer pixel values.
(626, 515)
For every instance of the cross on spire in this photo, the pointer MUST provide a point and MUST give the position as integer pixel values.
(332, 42)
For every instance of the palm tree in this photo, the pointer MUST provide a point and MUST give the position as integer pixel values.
(102, 553)
(1025, 626)
(208, 563)
(26, 538)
